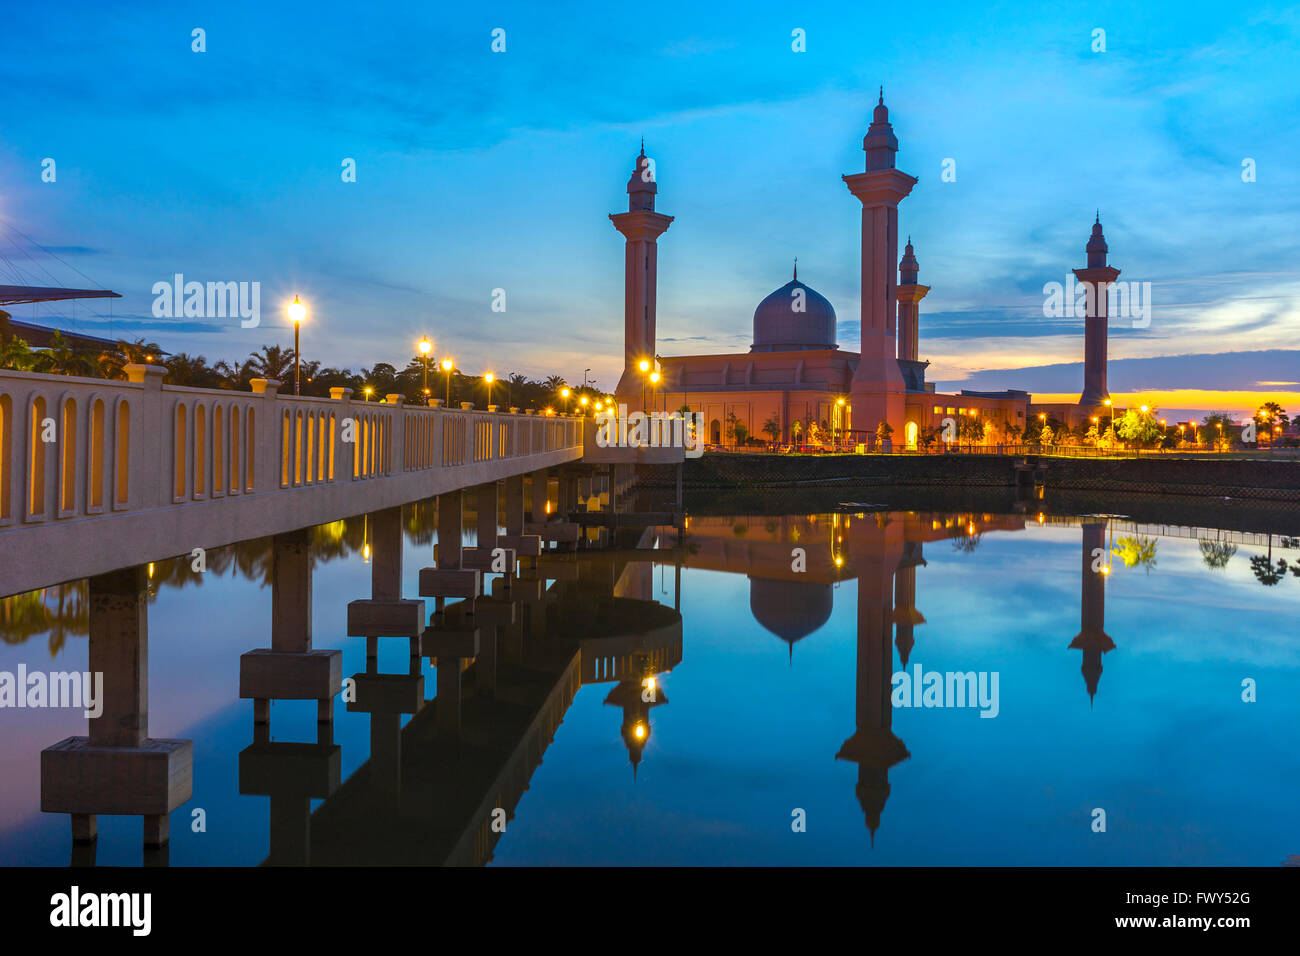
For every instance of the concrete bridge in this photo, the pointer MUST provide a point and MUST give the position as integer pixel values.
(98, 475)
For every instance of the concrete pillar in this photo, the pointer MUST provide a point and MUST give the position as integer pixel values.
(291, 591)
(386, 554)
(447, 715)
(450, 518)
(119, 649)
(541, 479)
(515, 505)
(487, 515)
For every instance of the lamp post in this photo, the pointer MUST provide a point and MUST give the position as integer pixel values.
(582, 400)
(297, 312)
(644, 366)
(447, 366)
(425, 347)
(564, 394)
(654, 389)
(489, 378)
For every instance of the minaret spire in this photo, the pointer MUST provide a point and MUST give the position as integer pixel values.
(796, 268)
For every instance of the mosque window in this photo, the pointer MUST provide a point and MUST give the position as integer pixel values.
(938, 409)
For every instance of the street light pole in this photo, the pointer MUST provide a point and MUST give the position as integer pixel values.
(297, 311)
(447, 366)
(425, 347)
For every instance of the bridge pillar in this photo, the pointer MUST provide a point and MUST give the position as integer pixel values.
(290, 669)
(118, 768)
(450, 518)
(515, 505)
(541, 479)
(386, 554)
(486, 505)
(291, 591)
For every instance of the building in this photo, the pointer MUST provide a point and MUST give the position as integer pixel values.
(795, 380)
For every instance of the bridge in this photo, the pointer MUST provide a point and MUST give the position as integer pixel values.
(99, 479)
(97, 475)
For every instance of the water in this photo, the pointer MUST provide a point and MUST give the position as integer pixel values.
(772, 674)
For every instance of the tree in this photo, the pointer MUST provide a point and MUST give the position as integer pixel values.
(1216, 554)
(63, 358)
(883, 431)
(18, 355)
(1139, 427)
(272, 363)
(1271, 416)
(1139, 551)
(772, 428)
(970, 430)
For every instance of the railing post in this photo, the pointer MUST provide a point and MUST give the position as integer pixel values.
(268, 441)
(150, 467)
(344, 452)
(396, 437)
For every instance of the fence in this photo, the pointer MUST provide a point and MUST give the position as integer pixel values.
(75, 447)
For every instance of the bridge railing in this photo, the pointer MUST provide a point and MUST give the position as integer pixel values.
(72, 447)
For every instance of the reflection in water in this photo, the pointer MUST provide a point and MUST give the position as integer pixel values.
(440, 778)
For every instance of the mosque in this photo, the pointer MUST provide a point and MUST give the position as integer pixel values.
(795, 381)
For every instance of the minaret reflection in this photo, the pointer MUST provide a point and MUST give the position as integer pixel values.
(906, 616)
(877, 545)
(1092, 638)
(637, 697)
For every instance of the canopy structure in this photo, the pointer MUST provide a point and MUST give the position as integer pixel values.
(18, 294)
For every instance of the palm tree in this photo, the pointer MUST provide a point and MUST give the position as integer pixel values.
(139, 352)
(18, 355)
(63, 358)
(273, 363)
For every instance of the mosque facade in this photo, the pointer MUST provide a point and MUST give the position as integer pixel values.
(795, 385)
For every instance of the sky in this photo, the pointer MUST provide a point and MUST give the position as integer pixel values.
(479, 170)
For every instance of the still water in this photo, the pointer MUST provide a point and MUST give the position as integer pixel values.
(1141, 676)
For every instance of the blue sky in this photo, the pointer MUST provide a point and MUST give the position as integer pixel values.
(478, 171)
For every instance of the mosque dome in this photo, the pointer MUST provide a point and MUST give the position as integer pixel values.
(790, 609)
(794, 317)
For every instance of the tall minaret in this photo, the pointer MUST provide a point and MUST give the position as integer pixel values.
(1098, 276)
(1092, 638)
(641, 226)
(877, 390)
(910, 295)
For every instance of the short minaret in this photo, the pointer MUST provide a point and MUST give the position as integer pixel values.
(877, 390)
(910, 295)
(1097, 276)
(641, 226)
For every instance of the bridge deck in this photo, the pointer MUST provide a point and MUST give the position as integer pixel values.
(97, 475)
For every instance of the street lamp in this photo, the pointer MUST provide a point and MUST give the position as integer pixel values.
(564, 394)
(367, 391)
(425, 347)
(297, 312)
(583, 402)
(489, 378)
(654, 388)
(447, 366)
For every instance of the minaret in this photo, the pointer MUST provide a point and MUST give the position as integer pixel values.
(641, 226)
(910, 295)
(877, 391)
(1097, 276)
